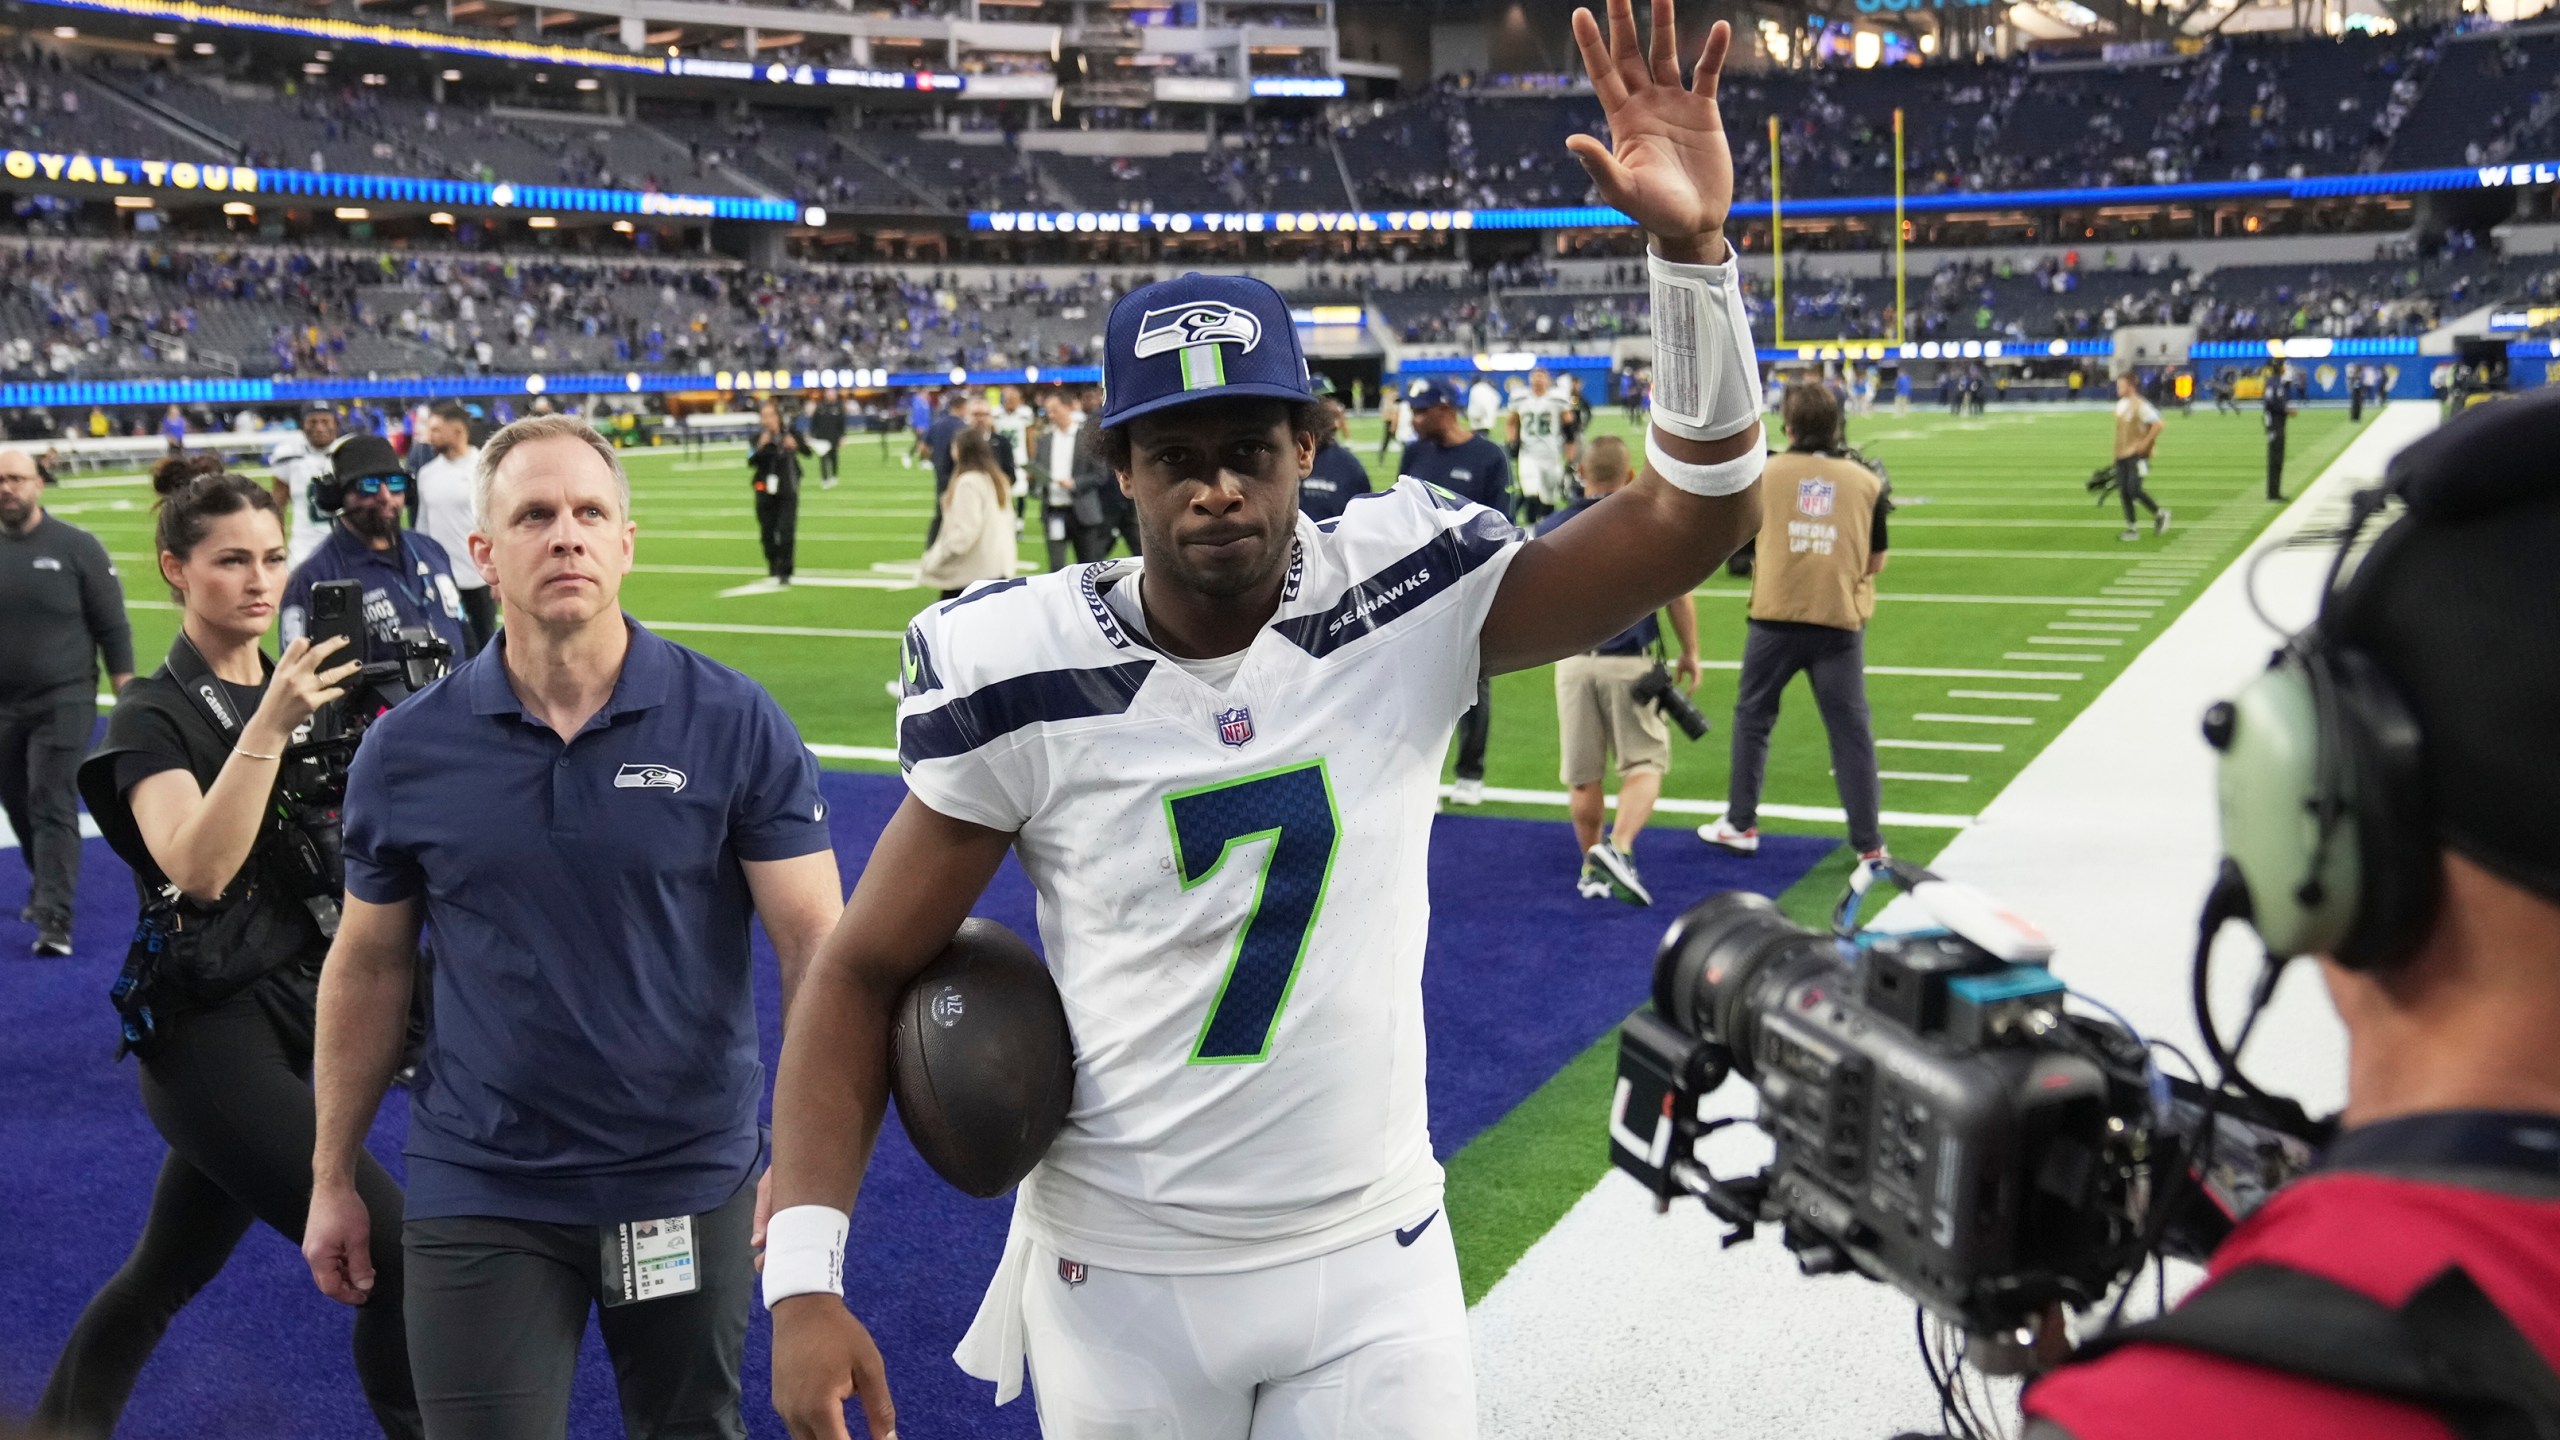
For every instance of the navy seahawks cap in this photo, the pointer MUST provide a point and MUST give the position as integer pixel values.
(1202, 337)
(1423, 394)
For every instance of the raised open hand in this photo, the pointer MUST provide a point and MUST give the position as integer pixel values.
(1667, 164)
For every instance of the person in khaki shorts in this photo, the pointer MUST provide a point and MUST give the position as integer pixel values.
(1598, 714)
(1813, 573)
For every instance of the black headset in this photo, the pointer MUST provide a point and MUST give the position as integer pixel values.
(2329, 838)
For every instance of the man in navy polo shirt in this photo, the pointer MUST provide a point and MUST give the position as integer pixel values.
(407, 577)
(587, 815)
(1464, 463)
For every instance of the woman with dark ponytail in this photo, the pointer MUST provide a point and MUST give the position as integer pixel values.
(220, 1014)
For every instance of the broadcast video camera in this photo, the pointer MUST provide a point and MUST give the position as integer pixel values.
(312, 793)
(1942, 1122)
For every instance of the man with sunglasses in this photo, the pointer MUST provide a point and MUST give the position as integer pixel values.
(407, 577)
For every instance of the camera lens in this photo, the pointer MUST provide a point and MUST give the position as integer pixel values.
(1726, 961)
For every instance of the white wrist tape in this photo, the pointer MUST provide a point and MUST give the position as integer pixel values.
(1727, 477)
(804, 1253)
(1706, 375)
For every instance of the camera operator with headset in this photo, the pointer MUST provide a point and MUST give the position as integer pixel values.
(407, 577)
(2387, 792)
(217, 996)
(1814, 567)
(1608, 702)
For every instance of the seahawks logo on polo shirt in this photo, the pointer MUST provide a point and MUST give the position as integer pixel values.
(649, 777)
(1195, 330)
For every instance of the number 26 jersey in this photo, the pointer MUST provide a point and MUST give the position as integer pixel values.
(1232, 882)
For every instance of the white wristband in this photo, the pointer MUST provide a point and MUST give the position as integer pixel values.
(1706, 375)
(1727, 477)
(804, 1253)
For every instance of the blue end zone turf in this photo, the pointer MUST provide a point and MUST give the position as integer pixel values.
(1522, 976)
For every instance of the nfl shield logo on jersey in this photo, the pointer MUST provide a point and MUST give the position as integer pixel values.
(1813, 497)
(1235, 727)
(1072, 1272)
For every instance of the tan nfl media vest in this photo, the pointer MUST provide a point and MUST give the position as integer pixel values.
(1810, 562)
(2129, 430)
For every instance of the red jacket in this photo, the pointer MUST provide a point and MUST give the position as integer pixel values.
(2380, 1234)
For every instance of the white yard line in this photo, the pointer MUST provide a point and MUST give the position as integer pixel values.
(1985, 747)
(2038, 695)
(1946, 719)
(1931, 777)
(1674, 805)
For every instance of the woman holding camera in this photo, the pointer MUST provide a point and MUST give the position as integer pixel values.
(220, 1013)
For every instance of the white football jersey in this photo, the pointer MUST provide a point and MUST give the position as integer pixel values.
(1232, 881)
(297, 465)
(1542, 420)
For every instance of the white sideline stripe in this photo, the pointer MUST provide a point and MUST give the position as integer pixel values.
(1982, 747)
(814, 582)
(853, 752)
(2082, 640)
(1918, 553)
(2055, 655)
(1929, 776)
(1945, 719)
(2085, 625)
(1672, 805)
(1960, 599)
(2038, 695)
(708, 627)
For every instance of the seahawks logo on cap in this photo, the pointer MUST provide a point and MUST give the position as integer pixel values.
(1200, 322)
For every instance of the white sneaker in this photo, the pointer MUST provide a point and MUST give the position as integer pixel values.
(1618, 869)
(2130, 534)
(1467, 792)
(1723, 836)
(2160, 522)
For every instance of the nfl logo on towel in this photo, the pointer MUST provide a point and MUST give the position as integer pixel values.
(1235, 727)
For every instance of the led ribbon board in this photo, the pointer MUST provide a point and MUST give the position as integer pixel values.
(1594, 217)
(78, 169)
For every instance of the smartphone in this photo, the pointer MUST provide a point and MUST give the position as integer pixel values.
(337, 608)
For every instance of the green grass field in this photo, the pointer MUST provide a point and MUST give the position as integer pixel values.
(2010, 602)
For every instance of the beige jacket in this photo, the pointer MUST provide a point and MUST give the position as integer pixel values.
(976, 541)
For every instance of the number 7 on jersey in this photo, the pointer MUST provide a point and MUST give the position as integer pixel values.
(1293, 809)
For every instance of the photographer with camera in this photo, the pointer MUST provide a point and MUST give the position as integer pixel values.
(1813, 590)
(1608, 701)
(217, 996)
(2387, 789)
(407, 577)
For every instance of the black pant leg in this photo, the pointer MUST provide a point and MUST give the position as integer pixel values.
(787, 530)
(2275, 466)
(496, 1310)
(1093, 542)
(1128, 525)
(1769, 661)
(1836, 666)
(229, 1089)
(768, 510)
(1475, 729)
(185, 1241)
(676, 1360)
(231, 1095)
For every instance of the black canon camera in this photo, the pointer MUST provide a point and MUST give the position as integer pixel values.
(1942, 1122)
(1656, 689)
(311, 795)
